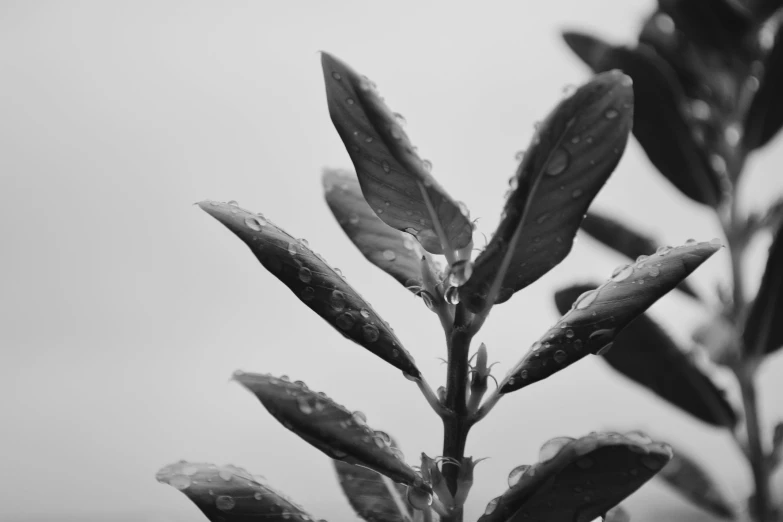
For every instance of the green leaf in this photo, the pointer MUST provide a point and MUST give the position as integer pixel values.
(229, 493)
(688, 478)
(328, 426)
(659, 124)
(763, 332)
(394, 180)
(575, 150)
(644, 353)
(628, 242)
(764, 118)
(314, 282)
(599, 315)
(396, 253)
(373, 497)
(578, 480)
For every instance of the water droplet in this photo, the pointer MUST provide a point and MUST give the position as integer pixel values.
(605, 349)
(585, 463)
(427, 164)
(370, 333)
(523, 374)
(225, 474)
(225, 503)
(337, 300)
(359, 418)
(385, 166)
(560, 357)
(654, 272)
(621, 273)
(255, 223)
(338, 272)
(345, 321)
(578, 344)
(258, 495)
(427, 298)
(516, 475)
(460, 272)
(611, 114)
(379, 211)
(396, 133)
(627, 81)
(181, 482)
(192, 470)
(733, 134)
(520, 155)
(569, 333)
(304, 405)
(409, 244)
(664, 23)
(452, 295)
(307, 294)
(349, 101)
(513, 184)
(233, 203)
(336, 76)
(305, 275)
(716, 241)
(638, 436)
(419, 498)
(552, 447)
(389, 255)
(641, 258)
(576, 193)
(491, 506)
(368, 139)
(365, 313)
(292, 249)
(718, 163)
(651, 463)
(663, 250)
(700, 110)
(558, 162)
(586, 299)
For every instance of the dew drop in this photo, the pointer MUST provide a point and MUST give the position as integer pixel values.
(365, 313)
(560, 357)
(663, 250)
(575, 140)
(258, 495)
(520, 155)
(552, 447)
(370, 333)
(733, 134)
(181, 482)
(192, 470)
(349, 101)
(307, 294)
(569, 333)
(639, 437)
(427, 298)
(578, 344)
(558, 162)
(345, 321)
(233, 203)
(641, 258)
(665, 24)
(389, 255)
(292, 249)
(225, 503)
(336, 76)
(491, 506)
(368, 139)
(716, 241)
(427, 164)
(452, 295)
(611, 114)
(305, 275)
(337, 300)
(225, 474)
(654, 272)
(651, 463)
(304, 405)
(359, 418)
(460, 272)
(586, 299)
(385, 166)
(621, 273)
(576, 193)
(516, 474)
(254, 223)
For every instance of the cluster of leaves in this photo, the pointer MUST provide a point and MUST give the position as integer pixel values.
(707, 80)
(406, 224)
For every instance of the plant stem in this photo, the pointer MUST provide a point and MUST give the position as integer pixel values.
(455, 422)
(761, 499)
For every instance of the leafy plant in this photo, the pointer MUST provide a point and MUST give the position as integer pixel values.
(406, 224)
(707, 78)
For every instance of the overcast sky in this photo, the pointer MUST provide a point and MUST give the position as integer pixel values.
(125, 309)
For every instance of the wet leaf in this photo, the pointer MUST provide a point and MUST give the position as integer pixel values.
(394, 180)
(396, 253)
(372, 496)
(328, 426)
(314, 282)
(688, 478)
(230, 494)
(598, 316)
(617, 514)
(644, 353)
(765, 116)
(659, 124)
(628, 242)
(575, 150)
(763, 332)
(581, 480)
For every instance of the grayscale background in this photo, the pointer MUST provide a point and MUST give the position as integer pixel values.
(124, 309)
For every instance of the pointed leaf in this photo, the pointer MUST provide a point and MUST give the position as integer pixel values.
(688, 478)
(394, 180)
(229, 493)
(628, 242)
(659, 124)
(581, 480)
(316, 284)
(570, 159)
(765, 116)
(644, 353)
(396, 253)
(328, 426)
(372, 496)
(599, 315)
(763, 333)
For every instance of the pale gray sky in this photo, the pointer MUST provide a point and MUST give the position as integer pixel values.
(125, 309)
